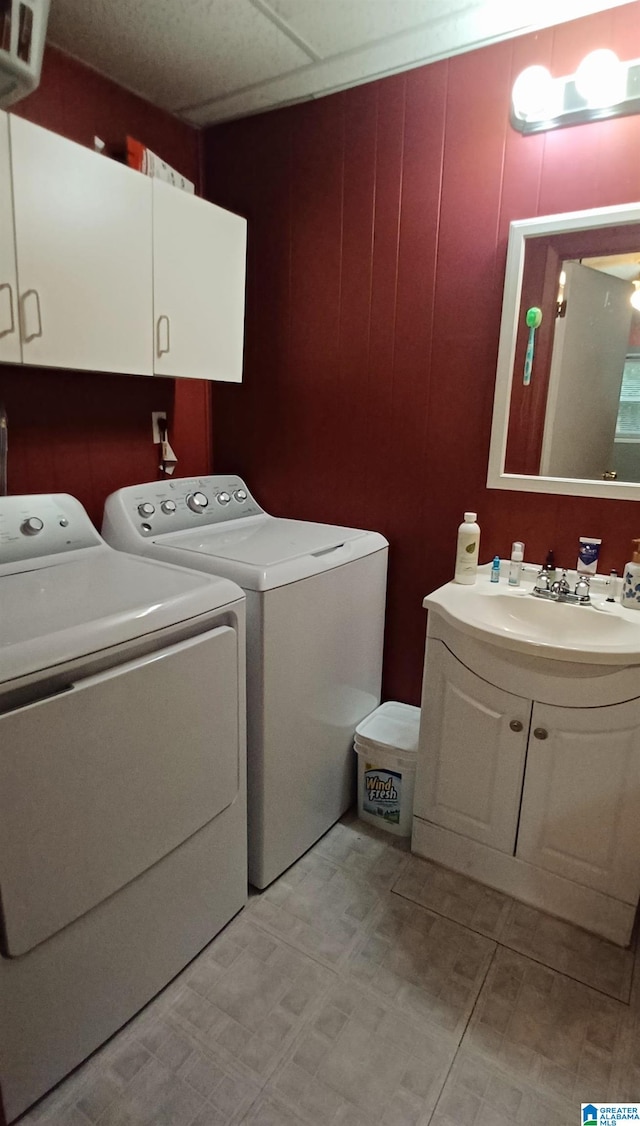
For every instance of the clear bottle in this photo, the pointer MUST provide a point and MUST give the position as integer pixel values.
(515, 566)
(467, 550)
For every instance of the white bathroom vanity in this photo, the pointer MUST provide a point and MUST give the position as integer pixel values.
(528, 774)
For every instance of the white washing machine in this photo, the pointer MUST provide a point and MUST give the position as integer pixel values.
(122, 783)
(315, 618)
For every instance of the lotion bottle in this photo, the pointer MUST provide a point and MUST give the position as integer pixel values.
(631, 582)
(467, 550)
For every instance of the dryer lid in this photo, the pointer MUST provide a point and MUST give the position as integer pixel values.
(93, 601)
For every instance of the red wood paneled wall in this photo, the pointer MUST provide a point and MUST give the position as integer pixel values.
(378, 224)
(85, 433)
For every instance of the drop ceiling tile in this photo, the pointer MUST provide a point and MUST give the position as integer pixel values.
(175, 52)
(333, 26)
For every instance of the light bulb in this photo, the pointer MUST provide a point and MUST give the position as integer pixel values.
(536, 95)
(601, 79)
(635, 296)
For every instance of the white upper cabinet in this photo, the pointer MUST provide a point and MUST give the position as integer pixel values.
(84, 250)
(10, 350)
(104, 269)
(199, 265)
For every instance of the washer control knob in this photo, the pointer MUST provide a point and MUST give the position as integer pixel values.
(146, 509)
(197, 502)
(31, 526)
(240, 495)
(168, 506)
(223, 498)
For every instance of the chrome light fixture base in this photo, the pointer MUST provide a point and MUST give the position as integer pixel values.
(567, 105)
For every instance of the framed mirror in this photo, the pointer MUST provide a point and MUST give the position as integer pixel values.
(566, 413)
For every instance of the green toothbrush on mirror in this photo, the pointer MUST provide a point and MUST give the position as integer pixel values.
(533, 320)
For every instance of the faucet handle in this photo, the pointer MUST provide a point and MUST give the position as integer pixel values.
(542, 580)
(583, 588)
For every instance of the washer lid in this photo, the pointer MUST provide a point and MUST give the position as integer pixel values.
(97, 599)
(263, 551)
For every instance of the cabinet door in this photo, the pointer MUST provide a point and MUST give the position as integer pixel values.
(10, 350)
(83, 238)
(199, 255)
(471, 760)
(579, 813)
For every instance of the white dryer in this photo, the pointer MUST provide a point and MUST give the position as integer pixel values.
(122, 783)
(315, 619)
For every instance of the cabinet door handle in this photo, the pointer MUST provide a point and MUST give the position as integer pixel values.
(12, 323)
(540, 733)
(161, 351)
(27, 336)
(515, 725)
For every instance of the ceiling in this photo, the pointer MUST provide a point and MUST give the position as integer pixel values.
(212, 60)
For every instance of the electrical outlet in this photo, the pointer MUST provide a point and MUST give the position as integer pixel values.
(156, 417)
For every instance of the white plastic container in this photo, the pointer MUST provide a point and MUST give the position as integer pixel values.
(467, 550)
(386, 744)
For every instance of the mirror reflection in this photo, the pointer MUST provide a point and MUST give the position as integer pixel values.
(567, 406)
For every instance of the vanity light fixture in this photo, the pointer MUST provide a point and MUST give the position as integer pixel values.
(635, 296)
(601, 87)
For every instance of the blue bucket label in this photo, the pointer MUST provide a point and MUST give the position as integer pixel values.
(382, 793)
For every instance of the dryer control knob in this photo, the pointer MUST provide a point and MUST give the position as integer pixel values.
(168, 506)
(240, 495)
(31, 526)
(146, 509)
(223, 498)
(197, 502)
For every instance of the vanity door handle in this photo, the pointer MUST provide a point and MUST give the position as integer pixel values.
(540, 733)
(516, 725)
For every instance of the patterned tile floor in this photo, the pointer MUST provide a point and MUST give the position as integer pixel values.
(367, 986)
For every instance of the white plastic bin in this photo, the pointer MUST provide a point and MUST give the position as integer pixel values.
(386, 744)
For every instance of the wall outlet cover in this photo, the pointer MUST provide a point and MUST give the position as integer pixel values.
(156, 417)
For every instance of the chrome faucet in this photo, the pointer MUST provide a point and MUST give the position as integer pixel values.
(560, 590)
(561, 586)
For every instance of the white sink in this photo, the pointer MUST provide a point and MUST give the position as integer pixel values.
(601, 633)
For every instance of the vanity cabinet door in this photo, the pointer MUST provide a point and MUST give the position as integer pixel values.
(10, 349)
(472, 749)
(83, 239)
(580, 813)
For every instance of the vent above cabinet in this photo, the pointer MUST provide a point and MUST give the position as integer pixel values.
(23, 26)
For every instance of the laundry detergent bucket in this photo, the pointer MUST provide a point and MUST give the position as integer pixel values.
(386, 744)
